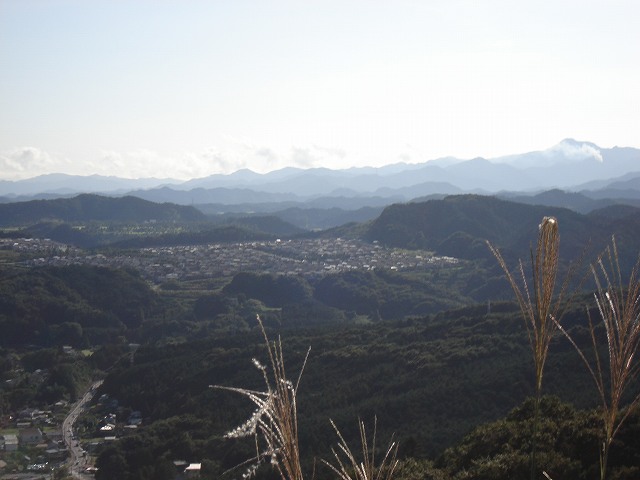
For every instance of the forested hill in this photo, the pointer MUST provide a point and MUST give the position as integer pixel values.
(428, 380)
(459, 225)
(88, 207)
(76, 305)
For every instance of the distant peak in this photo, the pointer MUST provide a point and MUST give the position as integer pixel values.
(570, 141)
(244, 171)
(577, 143)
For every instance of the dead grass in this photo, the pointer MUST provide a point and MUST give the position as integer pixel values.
(274, 426)
(347, 467)
(618, 304)
(274, 423)
(540, 305)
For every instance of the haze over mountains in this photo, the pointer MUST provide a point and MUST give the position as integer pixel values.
(589, 177)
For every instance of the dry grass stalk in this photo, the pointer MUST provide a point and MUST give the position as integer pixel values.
(619, 308)
(540, 307)
(274, 423)
(349, 468)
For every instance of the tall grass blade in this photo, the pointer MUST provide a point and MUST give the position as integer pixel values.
(274, 423)
(347, 467)
(618, 305)
(540, 303)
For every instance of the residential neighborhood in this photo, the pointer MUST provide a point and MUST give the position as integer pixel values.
(307, 257)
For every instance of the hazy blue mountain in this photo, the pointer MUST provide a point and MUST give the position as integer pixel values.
(628, 184)
(244, 177)
(568, 151)
(348, 204)
(577, 202)
(69, 184)
(420, 190)
(570, 165)
(219, 195)
(492, 177)
(37, 196)
(622, 196)
(600, 184)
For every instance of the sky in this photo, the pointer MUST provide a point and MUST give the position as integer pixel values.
(186, 88)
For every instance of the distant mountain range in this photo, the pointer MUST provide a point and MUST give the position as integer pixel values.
(576, 175)
(570, 165)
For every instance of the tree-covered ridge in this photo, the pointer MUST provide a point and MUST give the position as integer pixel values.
(75, 305)
(39, 378)
(456, 226)
(87, 305)
(459, 225)
(89, 207)
(568, 446)
(429, 380)
(90, 221)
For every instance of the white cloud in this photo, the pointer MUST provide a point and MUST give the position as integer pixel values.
(303, 157)
(132, 164)
(225, 158)
(215, 160)
(575, 151)
(318, 156)
(26, 162)
(269, 155)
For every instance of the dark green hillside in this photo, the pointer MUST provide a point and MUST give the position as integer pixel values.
(90, 221)
(75, 305)
(319, 218)
(86, 207)
(385, 295)
(430, 224)
(376, 295)
(271, 224)
(568, 446)
(272, 291)
(624, 223)
(234, 229)
(459, 225)
(429, 380)
(221, 234)
(41, 377)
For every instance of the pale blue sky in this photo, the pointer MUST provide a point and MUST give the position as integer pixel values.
(189, 88)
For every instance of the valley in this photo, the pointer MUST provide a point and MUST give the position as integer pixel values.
(408, 316)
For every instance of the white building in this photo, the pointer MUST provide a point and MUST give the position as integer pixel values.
(10, 442)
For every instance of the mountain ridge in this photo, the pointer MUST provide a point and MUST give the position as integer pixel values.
(569, 164)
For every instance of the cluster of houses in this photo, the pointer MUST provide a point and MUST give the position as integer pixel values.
(290, 257)
(55, 453)
(36, 431)
(109, 428)
(51, 443)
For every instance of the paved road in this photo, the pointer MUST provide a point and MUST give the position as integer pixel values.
(77, 460)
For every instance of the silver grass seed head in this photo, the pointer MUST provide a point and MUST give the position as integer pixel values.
(287, 384)
(548, 222)
(250, 472)
(249, 427)
(258, 365)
